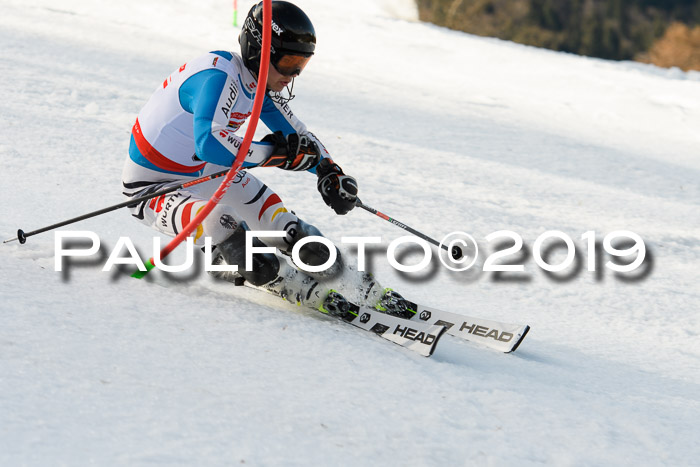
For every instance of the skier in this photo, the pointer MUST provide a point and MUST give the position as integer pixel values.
(187, 129)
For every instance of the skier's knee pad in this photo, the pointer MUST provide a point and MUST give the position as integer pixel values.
(220, 223)
(315, 253)
(265, 265)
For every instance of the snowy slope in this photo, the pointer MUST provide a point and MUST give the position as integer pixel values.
(444, 131)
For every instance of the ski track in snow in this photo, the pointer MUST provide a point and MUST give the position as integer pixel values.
(444, 131)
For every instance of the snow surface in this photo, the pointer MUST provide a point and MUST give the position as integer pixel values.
(444, 131)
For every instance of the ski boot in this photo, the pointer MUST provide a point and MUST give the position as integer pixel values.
(295, 286)
(230, 276)
(269, 272)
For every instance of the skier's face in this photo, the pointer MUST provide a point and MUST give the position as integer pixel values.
(286, 68)
(276, 81)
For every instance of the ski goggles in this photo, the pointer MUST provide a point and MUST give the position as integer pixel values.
(290, 65)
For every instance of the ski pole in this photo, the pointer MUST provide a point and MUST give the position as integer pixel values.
(456, 252)
(22, 235)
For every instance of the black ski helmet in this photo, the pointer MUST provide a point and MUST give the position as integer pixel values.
(292, 34)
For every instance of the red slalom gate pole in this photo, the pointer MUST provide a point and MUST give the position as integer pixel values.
(242, 151)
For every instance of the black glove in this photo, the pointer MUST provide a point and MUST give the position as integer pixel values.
(291, 153)
(338, 190)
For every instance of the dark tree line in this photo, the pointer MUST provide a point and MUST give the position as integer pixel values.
(612, 29)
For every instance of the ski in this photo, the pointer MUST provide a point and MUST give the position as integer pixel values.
(416, 336)
(497, 335)
(421, 326)
(419, 337)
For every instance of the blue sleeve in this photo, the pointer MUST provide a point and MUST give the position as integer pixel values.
(199, 95)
